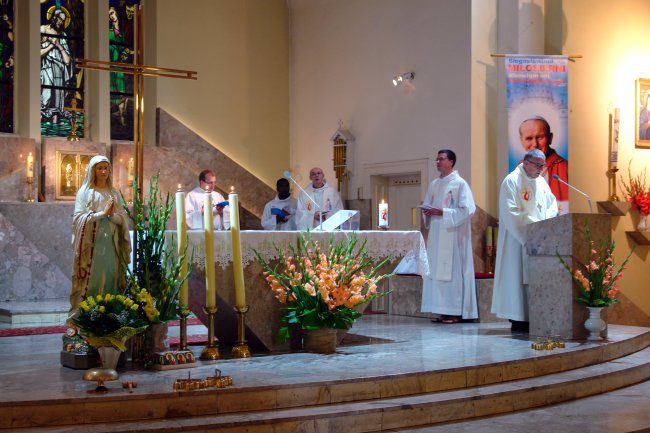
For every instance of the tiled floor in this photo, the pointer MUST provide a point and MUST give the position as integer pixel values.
(389, 345)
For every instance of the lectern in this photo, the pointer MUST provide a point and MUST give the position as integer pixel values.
(553, 309)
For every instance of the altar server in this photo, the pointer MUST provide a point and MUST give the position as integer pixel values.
(280, 213)
(448, 206)
(327, 197)
(524, 198)
(194, 204)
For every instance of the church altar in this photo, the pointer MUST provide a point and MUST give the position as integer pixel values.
(263, 317)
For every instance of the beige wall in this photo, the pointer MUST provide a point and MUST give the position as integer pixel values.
(344, 54)
(613, 40)
(240, 103)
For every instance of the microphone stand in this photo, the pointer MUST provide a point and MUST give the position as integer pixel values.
(287, 175)
(556, 177)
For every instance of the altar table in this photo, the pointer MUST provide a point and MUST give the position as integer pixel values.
(263, 317)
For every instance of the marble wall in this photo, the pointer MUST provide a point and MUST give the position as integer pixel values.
(35, 251)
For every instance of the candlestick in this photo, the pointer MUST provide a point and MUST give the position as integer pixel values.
(181, 232)
(241, 350)
(30, 165)
(383, 214)
(211, 350)
(613, 196)
(237, 267)
(208, 229)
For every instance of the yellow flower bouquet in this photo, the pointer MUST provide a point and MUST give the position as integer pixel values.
(109, 320)
(319, 289)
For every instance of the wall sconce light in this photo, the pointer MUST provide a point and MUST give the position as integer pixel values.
(399, 79)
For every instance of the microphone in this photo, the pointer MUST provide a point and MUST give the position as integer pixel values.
(287, 175)
(556, 177)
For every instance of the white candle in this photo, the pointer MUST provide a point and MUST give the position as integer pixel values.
(208, 229)
(30, 165)
(181, 233)
(617, 120)
(130, 172)
(237, 266)
(488, 236)
(383, 214)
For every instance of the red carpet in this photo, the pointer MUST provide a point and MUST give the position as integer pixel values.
(60, 329)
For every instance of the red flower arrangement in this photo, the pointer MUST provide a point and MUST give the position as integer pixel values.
(637, 192)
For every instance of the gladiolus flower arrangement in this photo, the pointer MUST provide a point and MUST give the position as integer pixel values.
(108, 320)
(637, 192)
(319, 289)
(599, 278)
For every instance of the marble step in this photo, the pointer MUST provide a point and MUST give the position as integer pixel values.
(35, 312)
(154, 400)
(402, 412)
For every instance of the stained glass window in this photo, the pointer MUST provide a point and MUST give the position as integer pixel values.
(6, 66)
(62, 40)
(121, 39)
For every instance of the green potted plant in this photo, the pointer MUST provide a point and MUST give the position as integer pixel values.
(156, 267)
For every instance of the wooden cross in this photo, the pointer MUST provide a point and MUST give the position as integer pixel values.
(138, 70)
(73, 125)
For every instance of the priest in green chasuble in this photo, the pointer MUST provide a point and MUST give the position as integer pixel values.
(448, 206)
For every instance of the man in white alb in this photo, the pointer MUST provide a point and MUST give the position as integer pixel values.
(280, 213)
(327, 198)
(447, 208)
(194, 204)
(524, 198)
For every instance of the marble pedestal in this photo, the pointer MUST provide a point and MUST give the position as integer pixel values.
(553, 310)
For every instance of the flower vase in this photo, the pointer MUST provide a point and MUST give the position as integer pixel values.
(594, 323)
(319, 340)
(643, 223)
(109, 356)
(155, 339)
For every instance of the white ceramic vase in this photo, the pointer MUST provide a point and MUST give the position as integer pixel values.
(643, 223)
(109, 356)
(594, 323)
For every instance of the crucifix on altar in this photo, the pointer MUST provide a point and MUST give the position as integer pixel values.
(73, 124)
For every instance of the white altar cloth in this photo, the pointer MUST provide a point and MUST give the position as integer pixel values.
(405, 245)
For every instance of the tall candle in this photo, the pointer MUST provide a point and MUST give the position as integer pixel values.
(617, 120)
(488, 237)
(130, 172)
(495, 235)
(383, 214)
(181, 233)
(30, 165)
(208, 229)
(237, 266)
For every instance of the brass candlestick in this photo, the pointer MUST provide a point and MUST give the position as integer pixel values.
(241, 350)
(489, 252)
(211, 351)
(613, 171)
(183, 328)
(30, 192)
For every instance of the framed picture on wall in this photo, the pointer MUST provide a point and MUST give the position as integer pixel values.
(642, 103)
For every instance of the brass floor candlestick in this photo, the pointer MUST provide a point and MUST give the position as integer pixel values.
(183, 329)
(30, 193)
(613, 197)
(241, 350)
(211, 351)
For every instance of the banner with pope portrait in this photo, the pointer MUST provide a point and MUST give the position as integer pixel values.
(537, 106)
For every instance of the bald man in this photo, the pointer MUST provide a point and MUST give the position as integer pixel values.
(327, 198)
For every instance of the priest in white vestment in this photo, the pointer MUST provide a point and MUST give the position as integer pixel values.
(524, 198)
(449, 290)
(280, 213)
(194, 204)
(326, 197)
